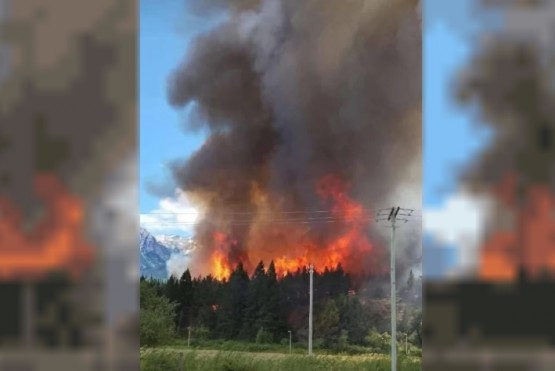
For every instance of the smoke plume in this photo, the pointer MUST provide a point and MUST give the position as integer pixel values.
(293, 93)
(510, 80)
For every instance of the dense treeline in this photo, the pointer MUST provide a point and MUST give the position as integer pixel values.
(264, 309)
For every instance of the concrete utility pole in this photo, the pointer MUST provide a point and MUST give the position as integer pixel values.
(311, 270)
(289, 341)
(393, 219)
(28, 313)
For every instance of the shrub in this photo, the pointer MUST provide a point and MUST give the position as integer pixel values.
(318, 343)
(200, 333)
(157, 318)
(343, 341)
(379, 342)
(263, 337)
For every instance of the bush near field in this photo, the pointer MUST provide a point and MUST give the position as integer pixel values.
(230, 361)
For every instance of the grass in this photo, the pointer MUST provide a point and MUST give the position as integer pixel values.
(241, 346)
(170, 359)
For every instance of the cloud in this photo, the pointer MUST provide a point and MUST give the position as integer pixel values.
(460, 222)
(174, 215)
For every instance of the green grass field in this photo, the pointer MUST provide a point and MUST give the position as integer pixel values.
(169, 359)
(297, 348)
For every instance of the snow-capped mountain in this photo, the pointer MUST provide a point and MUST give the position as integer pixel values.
(156, 251)
(174, 242)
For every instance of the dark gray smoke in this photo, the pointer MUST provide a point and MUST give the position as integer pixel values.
(511, 82)
(292, 91)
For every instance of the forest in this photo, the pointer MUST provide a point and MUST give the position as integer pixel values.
(349, 312)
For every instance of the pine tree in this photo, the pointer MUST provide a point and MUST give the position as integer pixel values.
(271, 316)
(171, 291)
(410, 281)
(185, 300)
(327, 324)
(257, 287)
(231, 314)
(206, 300)
(354, 320)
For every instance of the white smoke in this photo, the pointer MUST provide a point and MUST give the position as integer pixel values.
(177, 264)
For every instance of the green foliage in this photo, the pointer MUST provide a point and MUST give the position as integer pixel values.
(416, 327)
(234, 361)
(159, 361)
(354, 319)
(233, 345)
(327, 324)
(157, 315)
(380, 343)
(200, 333)
(263, 336)
(343, 341)
(233, 304)
(318, 343)
(231, 313)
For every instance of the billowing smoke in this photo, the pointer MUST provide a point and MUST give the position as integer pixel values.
(177, 264)
(509, 85)
(510, 80)
(293, 92)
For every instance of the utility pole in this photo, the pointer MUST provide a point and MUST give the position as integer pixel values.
(28, 296)
(289, 341)
(393, 219)
(189, 337)
(311, 271)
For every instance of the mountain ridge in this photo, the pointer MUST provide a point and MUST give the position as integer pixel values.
(156, 251)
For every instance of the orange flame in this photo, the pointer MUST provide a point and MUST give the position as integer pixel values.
(55, 244)
(220, 267)
(349, 248)
(530, 245)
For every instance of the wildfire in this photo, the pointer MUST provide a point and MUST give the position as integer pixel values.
(349, 246)
(55, 244)
(530, 245)
(286, 265)
(221, 269)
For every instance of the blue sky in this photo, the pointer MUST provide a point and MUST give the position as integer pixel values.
(449, 137)
(165, 33)
(452, 221)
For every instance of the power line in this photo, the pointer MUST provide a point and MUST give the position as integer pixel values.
(247, 212)
(413, 212)
(285, 220)
(289, 217)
